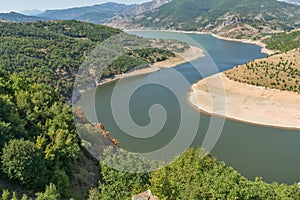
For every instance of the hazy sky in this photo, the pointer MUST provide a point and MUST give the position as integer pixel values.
(20, 5)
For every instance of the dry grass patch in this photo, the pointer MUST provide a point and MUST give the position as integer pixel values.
(280, 71)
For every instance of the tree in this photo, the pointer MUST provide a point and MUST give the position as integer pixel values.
(5, 195)
(24, 162)
(61, 179)
(201, 177)
(117, 184)
(94, 194)
(51, 193)
(10, 120)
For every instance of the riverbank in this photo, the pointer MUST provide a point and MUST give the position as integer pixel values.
(264, 49)
(246, 103)
(189, 55)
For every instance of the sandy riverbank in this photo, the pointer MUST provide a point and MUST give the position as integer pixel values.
(189, 55)
(246, 103)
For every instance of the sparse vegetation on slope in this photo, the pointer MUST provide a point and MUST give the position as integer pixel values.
(281, 71)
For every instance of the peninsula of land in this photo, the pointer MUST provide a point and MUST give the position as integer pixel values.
(192, 53)
(264, 92)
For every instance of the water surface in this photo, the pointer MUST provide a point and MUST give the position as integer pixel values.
(252, 150)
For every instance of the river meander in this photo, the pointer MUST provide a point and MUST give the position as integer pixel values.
(252, 150)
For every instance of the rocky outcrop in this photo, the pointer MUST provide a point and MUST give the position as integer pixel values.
(106, 134)
(123, 20)
(145, 7)
(145, 196)
(81, 118)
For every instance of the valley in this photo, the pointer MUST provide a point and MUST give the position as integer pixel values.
(110, 100)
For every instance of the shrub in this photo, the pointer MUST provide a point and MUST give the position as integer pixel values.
(24, 162)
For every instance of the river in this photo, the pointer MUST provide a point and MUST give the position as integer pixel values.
(252, 150)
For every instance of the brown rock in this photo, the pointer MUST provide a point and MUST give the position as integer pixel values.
(115, 142)
(145, 196)
(100, 126)
(80, 115)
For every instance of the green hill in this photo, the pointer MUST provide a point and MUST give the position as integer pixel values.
(49, 52)
(234, 17)
(52, 52)
(284, 41)
(38, 65)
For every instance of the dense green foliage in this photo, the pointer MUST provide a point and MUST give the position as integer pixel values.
(23, 161)
(38, 62)
(137, 58)
(128, 178)
(130, 184)
(208, 15)
(52, 52)
(209, 179)
(284, 41)
(193, 175)
(51, 193)
(49, 52)
(36, 114)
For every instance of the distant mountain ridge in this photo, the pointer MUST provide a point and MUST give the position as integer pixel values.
(237, 18)
(97, 14)
(103, 13)
(17, 17)
(94, 14)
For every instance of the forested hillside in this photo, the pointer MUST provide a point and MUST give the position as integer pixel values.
(39, 142)
(194, 175)
(38, 139)
(49, 52)
(41, 154)
(235, 18)
(284, 41)
(52, 52)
